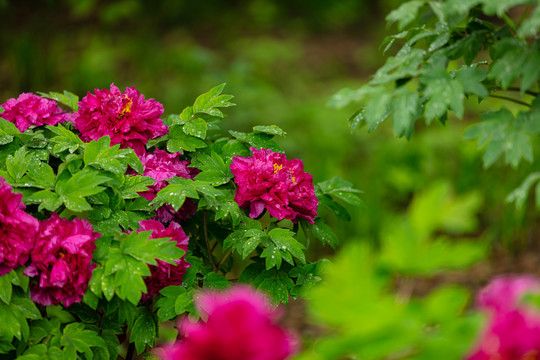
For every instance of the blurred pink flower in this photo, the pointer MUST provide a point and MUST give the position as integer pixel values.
(18, 230)
(160, 165)
(240, 325)
(165, 274)
(31, 110)
(127, 118)
(513, 330)
(268, 180)
(61, 261)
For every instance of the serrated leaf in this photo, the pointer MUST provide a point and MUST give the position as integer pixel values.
(273, 257)
(272, 130)
(175, 194)
(284, 240)
(405, 112)
(215, 281)
(76, 338)
(65, 139)
(405, 14)
(442, 93)
(324, 233)
(133, 185)
(144, 330)
(148, 250)
(101, 155)
(471, 78)
(67, 98)
(196, 127)
(180, 141)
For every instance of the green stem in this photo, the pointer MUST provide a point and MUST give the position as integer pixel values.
(525, 14)
(208, 242)
(528, 92)
(509, 22)
(510, 99)
(306, 234)
(223, 259)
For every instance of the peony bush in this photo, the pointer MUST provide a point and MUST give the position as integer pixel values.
(114, 217)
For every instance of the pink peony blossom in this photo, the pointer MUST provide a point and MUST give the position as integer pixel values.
(18, 230)
(240, 325)
(513, 330)
(160, 165)
(268, 180)
(127, 118)
(165, 274)
(61, 261)
(31, 110)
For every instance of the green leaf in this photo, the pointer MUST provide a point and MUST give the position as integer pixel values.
(378, 108)
(520, 194)
(471, 78)
(148, 250)
(506, 69)
(442, 93)
(213, 169)
(229, 209)
(272, 130)
(530, 69)
(180, 141)
(17, 164)
(405, 14)
(503, 135)
(341, 189)
(278, 285)
(132, 185)
(65, 139)
(166, 303)
(273, 257)
(498, 7)
(101, 155)
(82, 184)
(215, 281)
(76, 339)
(284, 240)
(175, 194)
(41, 174)
(67, 98)
(196, 127)
(405, 111)
(206, 102)
(144, 330)
(531, 25)
(324, 233)
(5, 287)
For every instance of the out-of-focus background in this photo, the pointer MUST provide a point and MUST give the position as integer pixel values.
(282, 60)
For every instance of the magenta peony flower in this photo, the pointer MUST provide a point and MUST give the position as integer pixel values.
(165, 274)
(160, 165)
(18, 230)
(268, 180)
(31, 110)
(61, 261)
(239, 325)
(513, 331)
(127, 118)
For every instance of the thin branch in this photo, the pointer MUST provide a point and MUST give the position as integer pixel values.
(208, 242)
(528, 92)
(510, 99)
(224, 258)
(510, 23)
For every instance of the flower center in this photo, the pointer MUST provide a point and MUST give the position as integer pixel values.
(127, 108)
(277, 167)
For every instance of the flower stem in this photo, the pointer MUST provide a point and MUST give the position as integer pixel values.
(528, 92)
(208, 242)
(510, 23)
(223, 259)
(510, 99)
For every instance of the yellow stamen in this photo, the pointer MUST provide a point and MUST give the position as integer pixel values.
(293, 179)
(127, 108)
(277, 168)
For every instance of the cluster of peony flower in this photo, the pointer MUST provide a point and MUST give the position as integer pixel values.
(31, 110)
(239, 325)
(160, 165)
(127, 118)
(17, 230)
(60, 250)
(513, 331)
(61, 260)
(268, 180)
(165, 274)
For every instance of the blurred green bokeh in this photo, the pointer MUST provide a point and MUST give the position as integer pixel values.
(282, 60)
